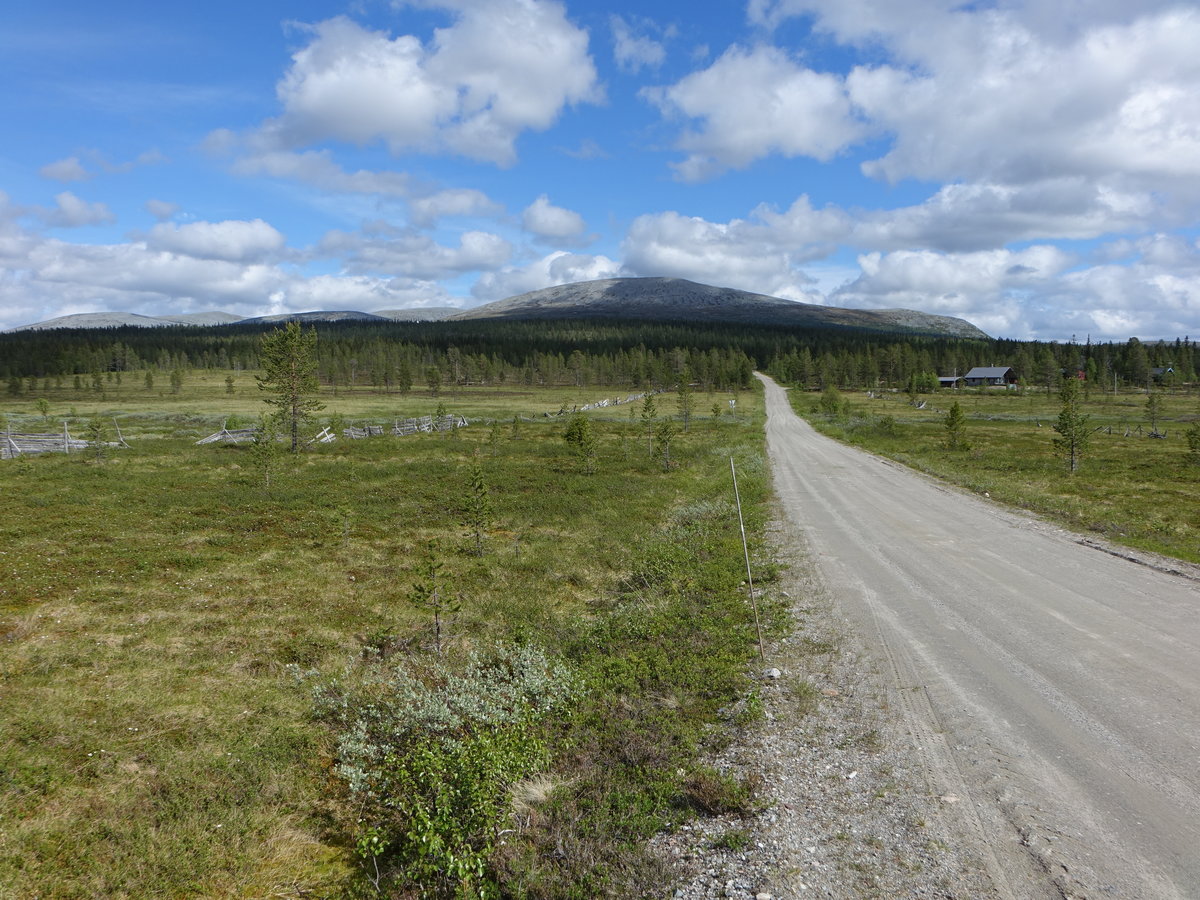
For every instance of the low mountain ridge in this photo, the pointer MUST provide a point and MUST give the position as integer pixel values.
(658, 298)
(121, 319)
(652, 298)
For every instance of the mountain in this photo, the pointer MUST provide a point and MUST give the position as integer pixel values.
(340, 315)
(680, 300)
(419, 313)
(658, 299)
(119, 319)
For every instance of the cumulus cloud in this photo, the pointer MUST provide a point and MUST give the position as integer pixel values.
(235, 241)
(414, 255)
(982, 215)
(317, 168)
(41, 278)
(632, 50)
(559, 267)
(70, 211)
(1021, 92)
(764, 252)
(552, 223)
(161, 209)
(502, 67)
(754, 102)
(69, 169)
(427, 210)
(984, 287)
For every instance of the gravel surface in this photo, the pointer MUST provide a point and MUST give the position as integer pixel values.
(849, 813)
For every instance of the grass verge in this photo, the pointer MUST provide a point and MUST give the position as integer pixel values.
(1130, 488)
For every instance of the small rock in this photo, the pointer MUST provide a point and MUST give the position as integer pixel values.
(764, 895)
(772, 673)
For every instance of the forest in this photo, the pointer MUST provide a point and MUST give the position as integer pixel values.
(393, 357)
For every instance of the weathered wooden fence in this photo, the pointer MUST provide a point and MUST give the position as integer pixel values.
(354, 433)
(15, 443)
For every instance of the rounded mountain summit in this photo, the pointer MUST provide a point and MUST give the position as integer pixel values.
(677, 299)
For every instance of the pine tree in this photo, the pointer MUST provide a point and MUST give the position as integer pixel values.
(430, 594)
(665, 433)
(1074, 430)
(1154, 410)
(649, 416)
(479, 507)
(956, 429)
(685, 398)
(289, 361)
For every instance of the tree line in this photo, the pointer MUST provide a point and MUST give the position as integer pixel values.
(396, 356)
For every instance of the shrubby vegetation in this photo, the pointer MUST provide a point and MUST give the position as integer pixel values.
(158, 607)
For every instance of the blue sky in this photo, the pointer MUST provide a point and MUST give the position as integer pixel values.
(1032, 167)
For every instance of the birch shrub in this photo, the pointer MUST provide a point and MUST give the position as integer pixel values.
(428, 755)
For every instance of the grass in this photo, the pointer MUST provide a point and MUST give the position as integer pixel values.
(156, 606)
(1129, 488)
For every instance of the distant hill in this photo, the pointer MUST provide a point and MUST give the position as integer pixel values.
(340, 315)
(120, 319)
(656, 299)
(683, 300)
(419, 313)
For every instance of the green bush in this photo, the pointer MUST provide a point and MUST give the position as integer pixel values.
(428, 757)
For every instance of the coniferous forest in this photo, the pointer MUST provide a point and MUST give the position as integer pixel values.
(392, 357)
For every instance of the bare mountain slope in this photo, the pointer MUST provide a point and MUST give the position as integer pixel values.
(680, 299)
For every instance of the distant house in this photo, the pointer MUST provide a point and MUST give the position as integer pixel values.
(949, 381)
(990, 376)
(1161, 373)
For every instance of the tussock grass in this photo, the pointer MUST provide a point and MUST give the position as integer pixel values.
(1130, 488)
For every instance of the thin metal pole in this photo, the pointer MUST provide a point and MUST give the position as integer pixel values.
(746, 551)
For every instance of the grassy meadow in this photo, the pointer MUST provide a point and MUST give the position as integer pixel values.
(172, 619)
(1129, 487)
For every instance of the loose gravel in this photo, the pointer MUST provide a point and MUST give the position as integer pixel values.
(847, 809)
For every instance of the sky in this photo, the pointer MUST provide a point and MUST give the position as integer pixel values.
(1032, 167)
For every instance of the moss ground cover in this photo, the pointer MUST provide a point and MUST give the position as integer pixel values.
(1131, 488)
(165, 618)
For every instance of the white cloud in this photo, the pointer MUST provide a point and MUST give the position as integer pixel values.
(234, 241)
(503, 67)
(161, 209)
(69, 169)
(317, 168)
(728, 255)
(633, 51)
(72, 212)
(1024, 91)
(555, 268)
(365, 293)
(754, 102)
(414, 255)
(42, 278)
(552, 223)
(463, 202)
(982, 215)
(985, 287)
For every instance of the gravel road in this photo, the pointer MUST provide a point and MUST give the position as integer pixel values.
(1050, 685)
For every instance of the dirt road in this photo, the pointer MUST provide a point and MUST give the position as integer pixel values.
(1052, 689)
